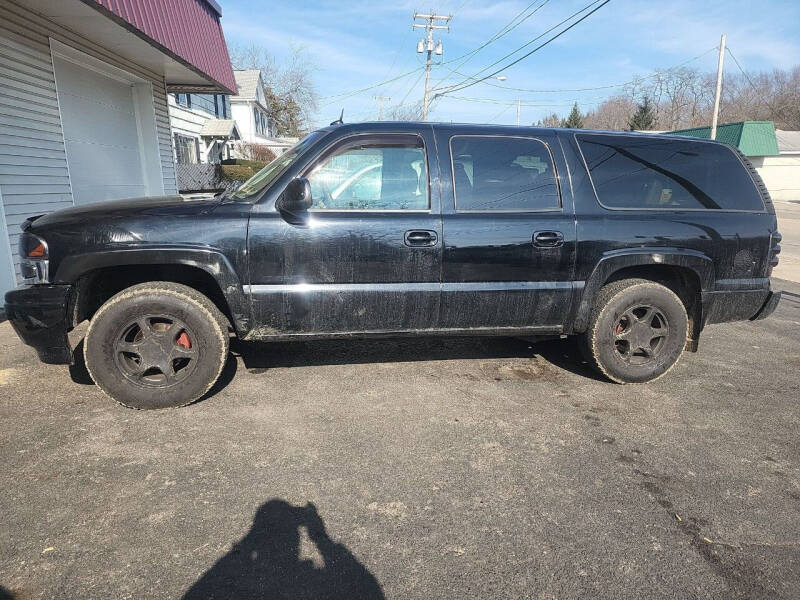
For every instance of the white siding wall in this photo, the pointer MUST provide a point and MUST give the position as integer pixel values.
(186, 121)
(33, 166)
(781, 175)
(189, 122)
(242, 113)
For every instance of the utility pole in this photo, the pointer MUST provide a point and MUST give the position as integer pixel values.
(519, 106)
(381, 99)
(718, 93)
(427, 45)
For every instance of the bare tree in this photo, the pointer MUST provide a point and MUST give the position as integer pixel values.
(406, 112)
(682, 98)
(552, 120)
(292, 95)
(612, 114)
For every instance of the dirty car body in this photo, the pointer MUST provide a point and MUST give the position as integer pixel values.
(386, 229)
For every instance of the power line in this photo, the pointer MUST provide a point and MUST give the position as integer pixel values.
(344, 95)
(505, 30)
(774, 110)
(466, 84)
(586, 102)
(595, 88)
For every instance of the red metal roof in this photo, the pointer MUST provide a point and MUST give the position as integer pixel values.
(187, 29)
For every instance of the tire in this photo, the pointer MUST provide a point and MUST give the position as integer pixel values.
(156, 345)
(637, 331)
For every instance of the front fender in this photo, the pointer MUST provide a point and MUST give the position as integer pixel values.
(615, 260)
(209, 260)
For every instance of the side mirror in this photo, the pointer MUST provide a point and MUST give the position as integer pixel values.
(296, 198)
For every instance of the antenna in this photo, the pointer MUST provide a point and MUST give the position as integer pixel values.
(340, 120)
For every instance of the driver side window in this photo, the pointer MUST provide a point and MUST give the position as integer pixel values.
(389, 174)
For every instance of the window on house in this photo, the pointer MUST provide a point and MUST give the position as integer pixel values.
(184, 100)
(187, 150)
(496, 173)
(385, 174)
(641, 172)
(204, 102)
(222, 107)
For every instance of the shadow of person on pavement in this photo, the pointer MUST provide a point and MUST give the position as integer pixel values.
(5, 594)
(266, 563)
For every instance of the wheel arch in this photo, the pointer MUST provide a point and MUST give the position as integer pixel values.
(685, 272)
(98, 276)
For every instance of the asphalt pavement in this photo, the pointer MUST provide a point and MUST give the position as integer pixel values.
(436, 468)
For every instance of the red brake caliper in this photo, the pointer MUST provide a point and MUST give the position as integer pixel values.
(183, 340)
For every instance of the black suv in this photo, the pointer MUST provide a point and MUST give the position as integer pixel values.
(635, 242)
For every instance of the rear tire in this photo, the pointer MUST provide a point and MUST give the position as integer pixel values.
(637, 331)
(156, 345)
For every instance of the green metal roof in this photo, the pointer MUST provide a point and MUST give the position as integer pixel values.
(753, 138)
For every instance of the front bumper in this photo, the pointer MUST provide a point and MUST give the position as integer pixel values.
(42, 315)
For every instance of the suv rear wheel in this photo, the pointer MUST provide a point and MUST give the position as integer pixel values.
(637, 331)
(156, 345)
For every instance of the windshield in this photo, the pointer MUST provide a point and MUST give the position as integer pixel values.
(268, 174)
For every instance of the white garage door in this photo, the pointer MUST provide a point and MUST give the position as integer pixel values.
(104, 147)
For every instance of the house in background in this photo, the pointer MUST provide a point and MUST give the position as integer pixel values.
(781, 173)
(251, 112)
(203, 134)
(83, 101)
(203, 130)
(774, 153)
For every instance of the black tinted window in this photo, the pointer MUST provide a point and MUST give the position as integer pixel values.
(639, 172)
(502, 173)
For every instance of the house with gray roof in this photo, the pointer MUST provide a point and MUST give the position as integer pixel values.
(251, 112)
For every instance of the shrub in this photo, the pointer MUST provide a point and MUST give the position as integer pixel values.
(237, 172)
(252, 164)
(255, 152)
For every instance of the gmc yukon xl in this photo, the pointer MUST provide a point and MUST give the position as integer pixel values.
(633, 242)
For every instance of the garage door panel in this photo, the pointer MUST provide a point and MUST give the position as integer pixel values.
(89, 84)
(110, 126)
(115, 165)
(102, 193)
(104, 148)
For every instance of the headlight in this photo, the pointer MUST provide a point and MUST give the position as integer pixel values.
(34, 258)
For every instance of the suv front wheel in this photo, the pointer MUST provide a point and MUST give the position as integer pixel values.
(156, 345)
(637, 331)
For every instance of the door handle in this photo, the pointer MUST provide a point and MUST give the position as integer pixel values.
(548, 239)
(420, 237)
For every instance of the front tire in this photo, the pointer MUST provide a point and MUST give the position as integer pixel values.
(156, 345)
(637, 331)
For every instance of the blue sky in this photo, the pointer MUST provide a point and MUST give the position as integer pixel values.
(359, 43)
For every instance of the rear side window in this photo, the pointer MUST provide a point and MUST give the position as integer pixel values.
(638, 172)
(496, 173)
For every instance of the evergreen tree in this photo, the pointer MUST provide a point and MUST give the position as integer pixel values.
(644, 119)
(575, 118)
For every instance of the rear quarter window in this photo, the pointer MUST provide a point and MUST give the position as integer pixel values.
(630, 172)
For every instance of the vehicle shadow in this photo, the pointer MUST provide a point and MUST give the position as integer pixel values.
(259, 357)
(267, 562)
(5, 594)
